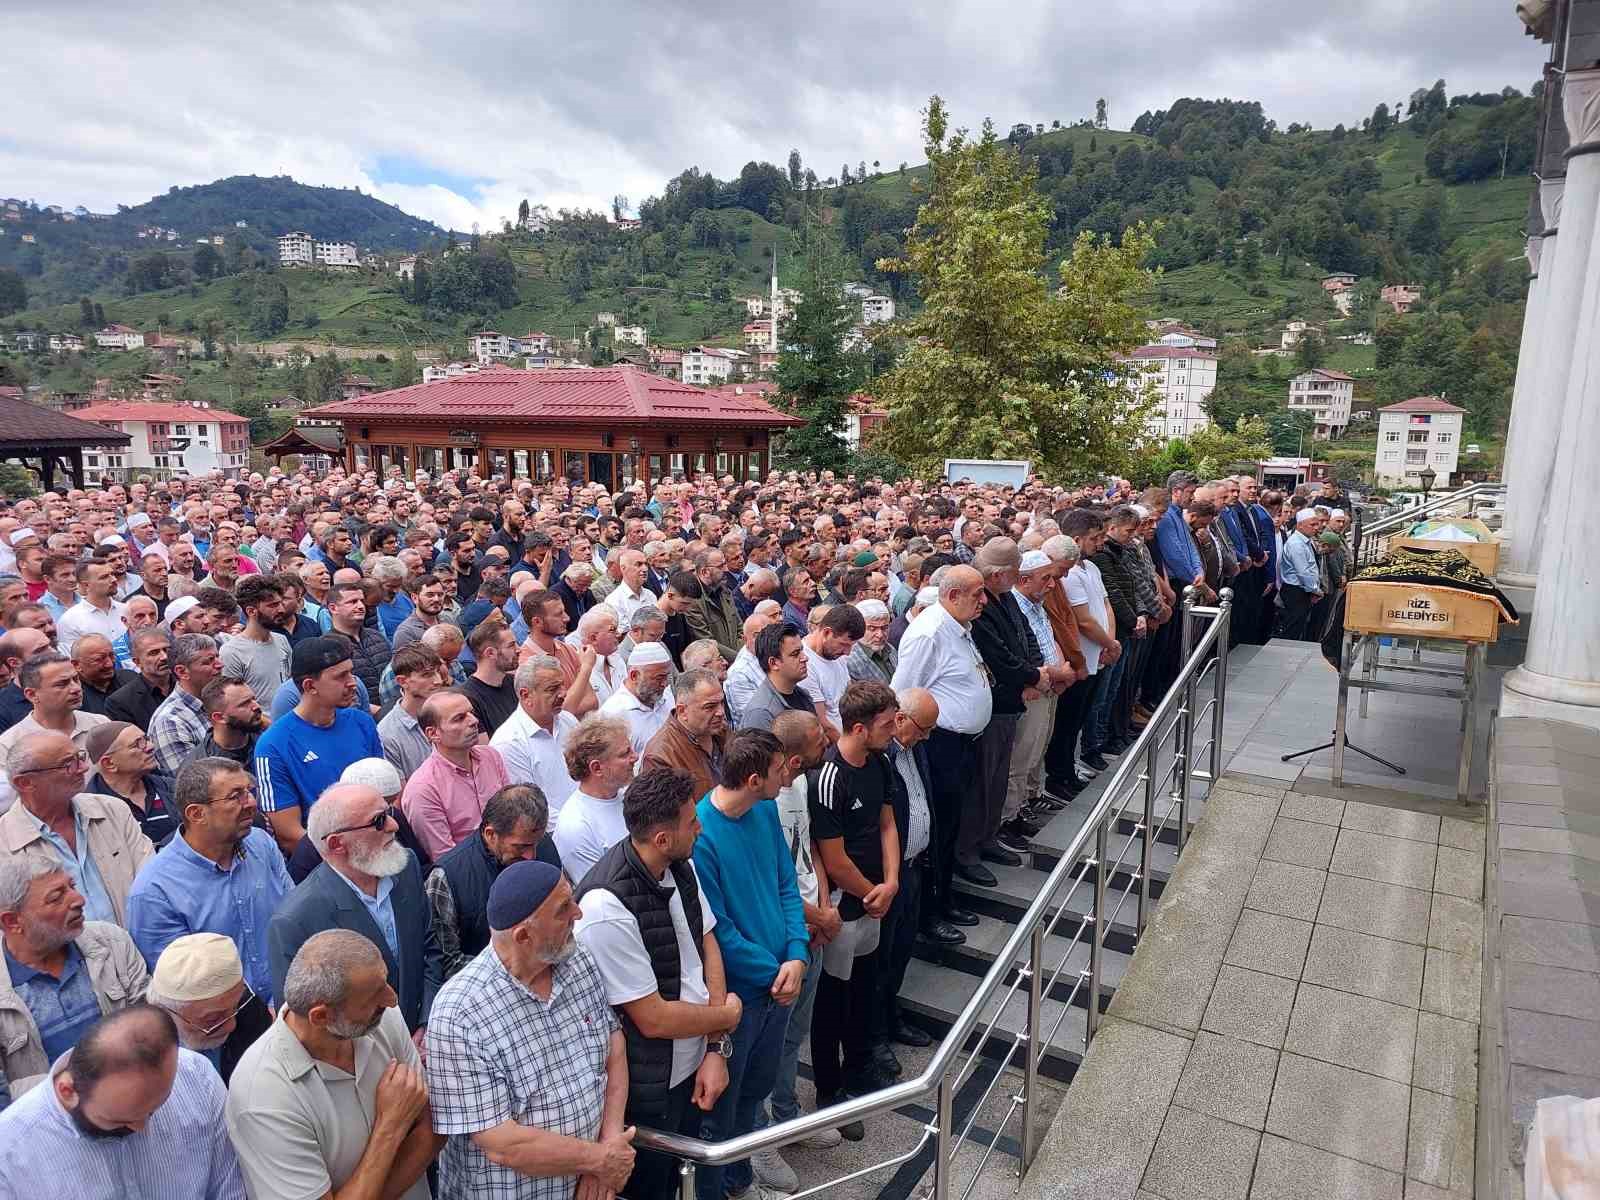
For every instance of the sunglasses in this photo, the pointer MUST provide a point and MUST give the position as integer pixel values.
(376, 824)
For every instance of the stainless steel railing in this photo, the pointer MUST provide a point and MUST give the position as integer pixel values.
(1160, 768)
(1371, 541)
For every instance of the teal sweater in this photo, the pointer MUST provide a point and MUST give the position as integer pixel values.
(748, 879)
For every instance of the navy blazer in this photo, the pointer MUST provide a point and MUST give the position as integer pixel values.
(327, 901)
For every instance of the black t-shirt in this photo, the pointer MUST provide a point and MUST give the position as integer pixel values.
(492, 706)
(846, 802)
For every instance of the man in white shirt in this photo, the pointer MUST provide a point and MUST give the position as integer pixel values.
(674, 1074)
(97, 612)
(630, 594)
(1097, 626)
(827, 651)
(600, 757)
(938, 653)
(745, 674)
(533, 740)
(642, 700)
(598, 629)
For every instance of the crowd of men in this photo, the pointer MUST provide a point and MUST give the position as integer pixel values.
(369, 836)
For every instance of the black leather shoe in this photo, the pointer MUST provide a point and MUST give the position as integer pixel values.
(999, 855)
(884, 1061)
(1096, 761)
(980, 875)
(910, 1035)
(960, 916)
(943, 933)
(851, 1131)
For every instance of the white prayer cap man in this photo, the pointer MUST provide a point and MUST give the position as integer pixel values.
(200, 981)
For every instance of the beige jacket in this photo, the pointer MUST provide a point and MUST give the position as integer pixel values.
(117, 971)
(116, 843)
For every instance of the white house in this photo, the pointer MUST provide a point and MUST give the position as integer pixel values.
(338, 255)
(1186, 339)
(876, 309)
(757, 335)
(1325, 397)
(1184, 379)
(119, 337)
(489, 346)
(1424, 431)
(406, 268)
(455, 370)
(605, 319)
(630, 335)
(297, 249)
(1293, 332)
(66, 341)
(534, 343)
(171, 439)
(754, 306)
(706, 366)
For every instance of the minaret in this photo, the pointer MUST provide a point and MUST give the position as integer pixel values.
(772, 306)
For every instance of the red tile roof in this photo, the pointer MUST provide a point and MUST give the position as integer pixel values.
(1327, 374)
(1172, 352)
(617, 395)
(133, 410)
(1422, 404)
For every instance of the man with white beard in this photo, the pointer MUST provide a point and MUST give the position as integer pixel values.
(367, 883)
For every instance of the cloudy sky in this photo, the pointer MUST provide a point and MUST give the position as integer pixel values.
(457, 111)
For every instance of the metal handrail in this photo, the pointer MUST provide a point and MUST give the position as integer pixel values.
(1367, 536)
(1137, 765)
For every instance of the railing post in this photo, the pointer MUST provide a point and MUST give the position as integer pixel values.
(1220, 684)
(944, 1147)
(1098, 939)
(686, 1180)
(1187, 681)
(1030, 1072)
(1149, 831)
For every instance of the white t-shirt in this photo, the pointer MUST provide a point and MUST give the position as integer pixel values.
(794, 814)
(826, 680)
(610, 933)
(587, 827)
(1084, 586)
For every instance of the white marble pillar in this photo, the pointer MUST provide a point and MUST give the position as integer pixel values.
(1560, 677)
(1521, 405)
(1540, 390)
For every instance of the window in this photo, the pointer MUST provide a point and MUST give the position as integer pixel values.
(1416, 458)
(180, 430)
(1444, 439)
(1418, 437)
(1391, 456)
(1439, 457)
(1392, 435)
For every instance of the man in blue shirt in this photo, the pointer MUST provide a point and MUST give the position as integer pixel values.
(1302, 582)
(303, 753)
(219, 875)
(1172, 536)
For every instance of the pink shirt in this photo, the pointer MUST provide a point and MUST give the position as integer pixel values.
(444, 803)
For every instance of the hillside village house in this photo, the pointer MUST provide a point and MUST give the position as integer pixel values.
(1401, 296)
(876, 309)
(300, 249)
(1186, 339)
(757, 334)
(119, 337)
(630, 335)
(706, 366)
(1325, 396)
(1424, 431)
(60, 342)
(667, 363)
(754, 306)
(1183, 378)
(1293, 332)
(607, 425)
(170, 439)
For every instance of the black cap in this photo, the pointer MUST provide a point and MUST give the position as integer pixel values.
(315, 655)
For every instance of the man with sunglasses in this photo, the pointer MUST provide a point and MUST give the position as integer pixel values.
(199, 980)
(370, 884)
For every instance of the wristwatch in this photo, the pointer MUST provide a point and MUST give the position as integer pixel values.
(722, 1045)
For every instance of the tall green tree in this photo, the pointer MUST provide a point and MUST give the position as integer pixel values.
(817, 372)
(403, 370)
(997, 365)
(13, 292)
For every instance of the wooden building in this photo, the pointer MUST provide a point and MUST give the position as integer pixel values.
(47, 441)
(602, 425)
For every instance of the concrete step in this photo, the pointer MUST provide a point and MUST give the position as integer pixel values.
(934, 997)
(1017, 887)
(986, 939)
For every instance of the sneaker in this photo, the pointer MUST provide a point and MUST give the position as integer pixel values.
(822, 1139)
(1011, 838)
(1096, 763)
(1085, 771)
(773, 1172)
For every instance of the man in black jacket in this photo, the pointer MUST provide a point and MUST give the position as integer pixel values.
(1110, 736)
(649, 930)
(1001, 634)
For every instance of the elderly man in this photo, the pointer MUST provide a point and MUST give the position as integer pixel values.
(97, 672)
(16, 647)
(128, 1112)
(938, 654)
(62, 973)
(692, 737)
(532, 741)
(527, 1066)
(598, 634)
(642, 700)
(444, 800)
(142, 690)
(199, 980)
(873, 657)
(368, 882)
(219, 875)
(630, 591)
(331, 1101)
(1061, 780)
(717, 615)
(1302, 580)
(601, 758)
(575, 590)
(1022, 816)
(515, 828)
(94, 838)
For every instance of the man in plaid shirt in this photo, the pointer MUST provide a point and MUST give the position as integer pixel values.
(179, 725)
(527, 1069)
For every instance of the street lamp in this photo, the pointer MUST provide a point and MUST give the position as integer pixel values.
(1426, 476)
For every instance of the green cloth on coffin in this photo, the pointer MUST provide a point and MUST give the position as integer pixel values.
(1443, 568)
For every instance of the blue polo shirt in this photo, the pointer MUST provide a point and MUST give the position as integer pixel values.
(297, 761)
(63, 1009)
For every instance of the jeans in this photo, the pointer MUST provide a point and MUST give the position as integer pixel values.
(1097, 726)
(1060, 754)
(757, 1047)
(785, 1104)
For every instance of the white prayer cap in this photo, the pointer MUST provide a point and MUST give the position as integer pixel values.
(111, 539)
(927, 596)
(872, 610)
(1338, 512)
(1035, 560)
(22, 535)
(179, 607)
(197, 966)
(138, 520)
(649, 654)
(377, 773)
(1306, 514)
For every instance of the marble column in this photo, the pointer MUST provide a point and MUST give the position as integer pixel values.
(1521, 406)
(1560, 677)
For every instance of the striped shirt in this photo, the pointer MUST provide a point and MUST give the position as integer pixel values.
(183, 1153)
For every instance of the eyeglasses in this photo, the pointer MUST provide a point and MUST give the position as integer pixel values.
(248, 996)
(79, 761)
(925, 730)
(376, 824)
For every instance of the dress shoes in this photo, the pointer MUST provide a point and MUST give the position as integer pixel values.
(979, 875)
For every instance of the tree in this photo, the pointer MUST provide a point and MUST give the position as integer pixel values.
(86, 312)
(817, 374)
(99, 315)
(1100, 114)
(211, 332)
(403, 370)
(16, 483)
(996, 365)
(522, 214)
(619, 207)
(1379, 123)
(1217, 450)
(207, 263)
(796, 173)
(269, 307)
(419, 282)
(1288, 430)
(1250, 259)
(1311, 351)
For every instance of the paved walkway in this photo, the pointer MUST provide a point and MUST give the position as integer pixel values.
(1300, 1019)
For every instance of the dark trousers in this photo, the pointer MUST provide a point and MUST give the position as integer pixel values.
(895, 946)
(1158, 672)
(841, 1046)
(1060, 754)
(1138, 650)
(1296, 613)
(1268, 615)
(953, 766)
(1317, 619)
(1246, 604)
(655, 1175)
(986, 797)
